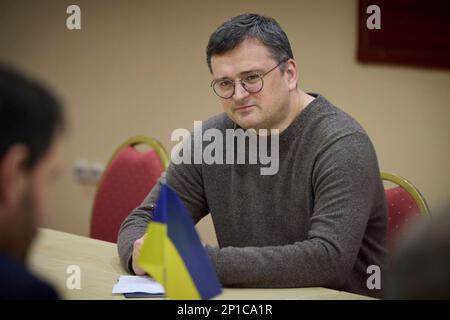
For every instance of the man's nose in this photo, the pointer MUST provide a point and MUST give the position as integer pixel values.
(239, 91)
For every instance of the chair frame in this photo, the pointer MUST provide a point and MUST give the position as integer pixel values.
(410, 188)
(151, 142)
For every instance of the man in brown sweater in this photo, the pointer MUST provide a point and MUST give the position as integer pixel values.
(320, 219)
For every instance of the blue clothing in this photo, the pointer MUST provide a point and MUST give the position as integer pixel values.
(17, 283)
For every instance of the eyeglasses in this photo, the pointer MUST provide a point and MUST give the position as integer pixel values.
(252, 83)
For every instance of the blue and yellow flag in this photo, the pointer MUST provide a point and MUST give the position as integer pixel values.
(173, 254)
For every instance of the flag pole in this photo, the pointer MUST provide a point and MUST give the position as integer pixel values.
(165, 278)
(163, 182)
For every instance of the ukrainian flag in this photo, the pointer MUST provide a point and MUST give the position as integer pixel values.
(173, 254)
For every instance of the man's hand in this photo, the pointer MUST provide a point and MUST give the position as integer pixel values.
(136, 251)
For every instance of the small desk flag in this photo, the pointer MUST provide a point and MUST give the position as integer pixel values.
(173, 254)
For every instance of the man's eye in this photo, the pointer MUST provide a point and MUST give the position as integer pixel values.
(252, 77)
(225, 83)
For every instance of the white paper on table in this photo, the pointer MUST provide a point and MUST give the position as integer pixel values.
(133, 284)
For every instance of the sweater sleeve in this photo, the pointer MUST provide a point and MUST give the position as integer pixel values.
(186, 180)
(345, 179)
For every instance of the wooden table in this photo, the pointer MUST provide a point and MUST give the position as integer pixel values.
(55, 251)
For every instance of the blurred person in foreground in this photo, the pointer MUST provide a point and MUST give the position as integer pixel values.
(31, 122)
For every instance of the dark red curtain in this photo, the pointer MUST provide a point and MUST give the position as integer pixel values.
(413, 33)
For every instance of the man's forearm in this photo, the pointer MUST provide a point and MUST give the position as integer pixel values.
(134, 227)
(302, 264)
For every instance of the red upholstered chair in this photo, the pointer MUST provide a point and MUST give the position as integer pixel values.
(128, 178)
(405, 204)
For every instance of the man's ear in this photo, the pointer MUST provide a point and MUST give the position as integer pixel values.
(291, 74)
(13, 175)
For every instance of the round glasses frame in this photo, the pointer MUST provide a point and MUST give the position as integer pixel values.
(243, 83)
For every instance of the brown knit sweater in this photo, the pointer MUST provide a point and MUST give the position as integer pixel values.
(320, 221)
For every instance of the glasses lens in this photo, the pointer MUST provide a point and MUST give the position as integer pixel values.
(253, 83)
(224, 88)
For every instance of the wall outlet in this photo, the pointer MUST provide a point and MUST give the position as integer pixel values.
(88, 172)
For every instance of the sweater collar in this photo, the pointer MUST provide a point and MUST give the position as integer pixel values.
(296, 127)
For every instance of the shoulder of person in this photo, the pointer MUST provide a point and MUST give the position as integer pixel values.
(331, 122)
(18, 283)
(220, 121)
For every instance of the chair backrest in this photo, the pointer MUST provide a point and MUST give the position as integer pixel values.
(404, 203)
(128, 178)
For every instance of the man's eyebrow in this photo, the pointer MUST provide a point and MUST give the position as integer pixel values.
(250, 71)
(240, 74)
(222, 78)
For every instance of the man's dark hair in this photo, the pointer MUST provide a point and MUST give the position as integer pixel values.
(29, 115)
(249, 26)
